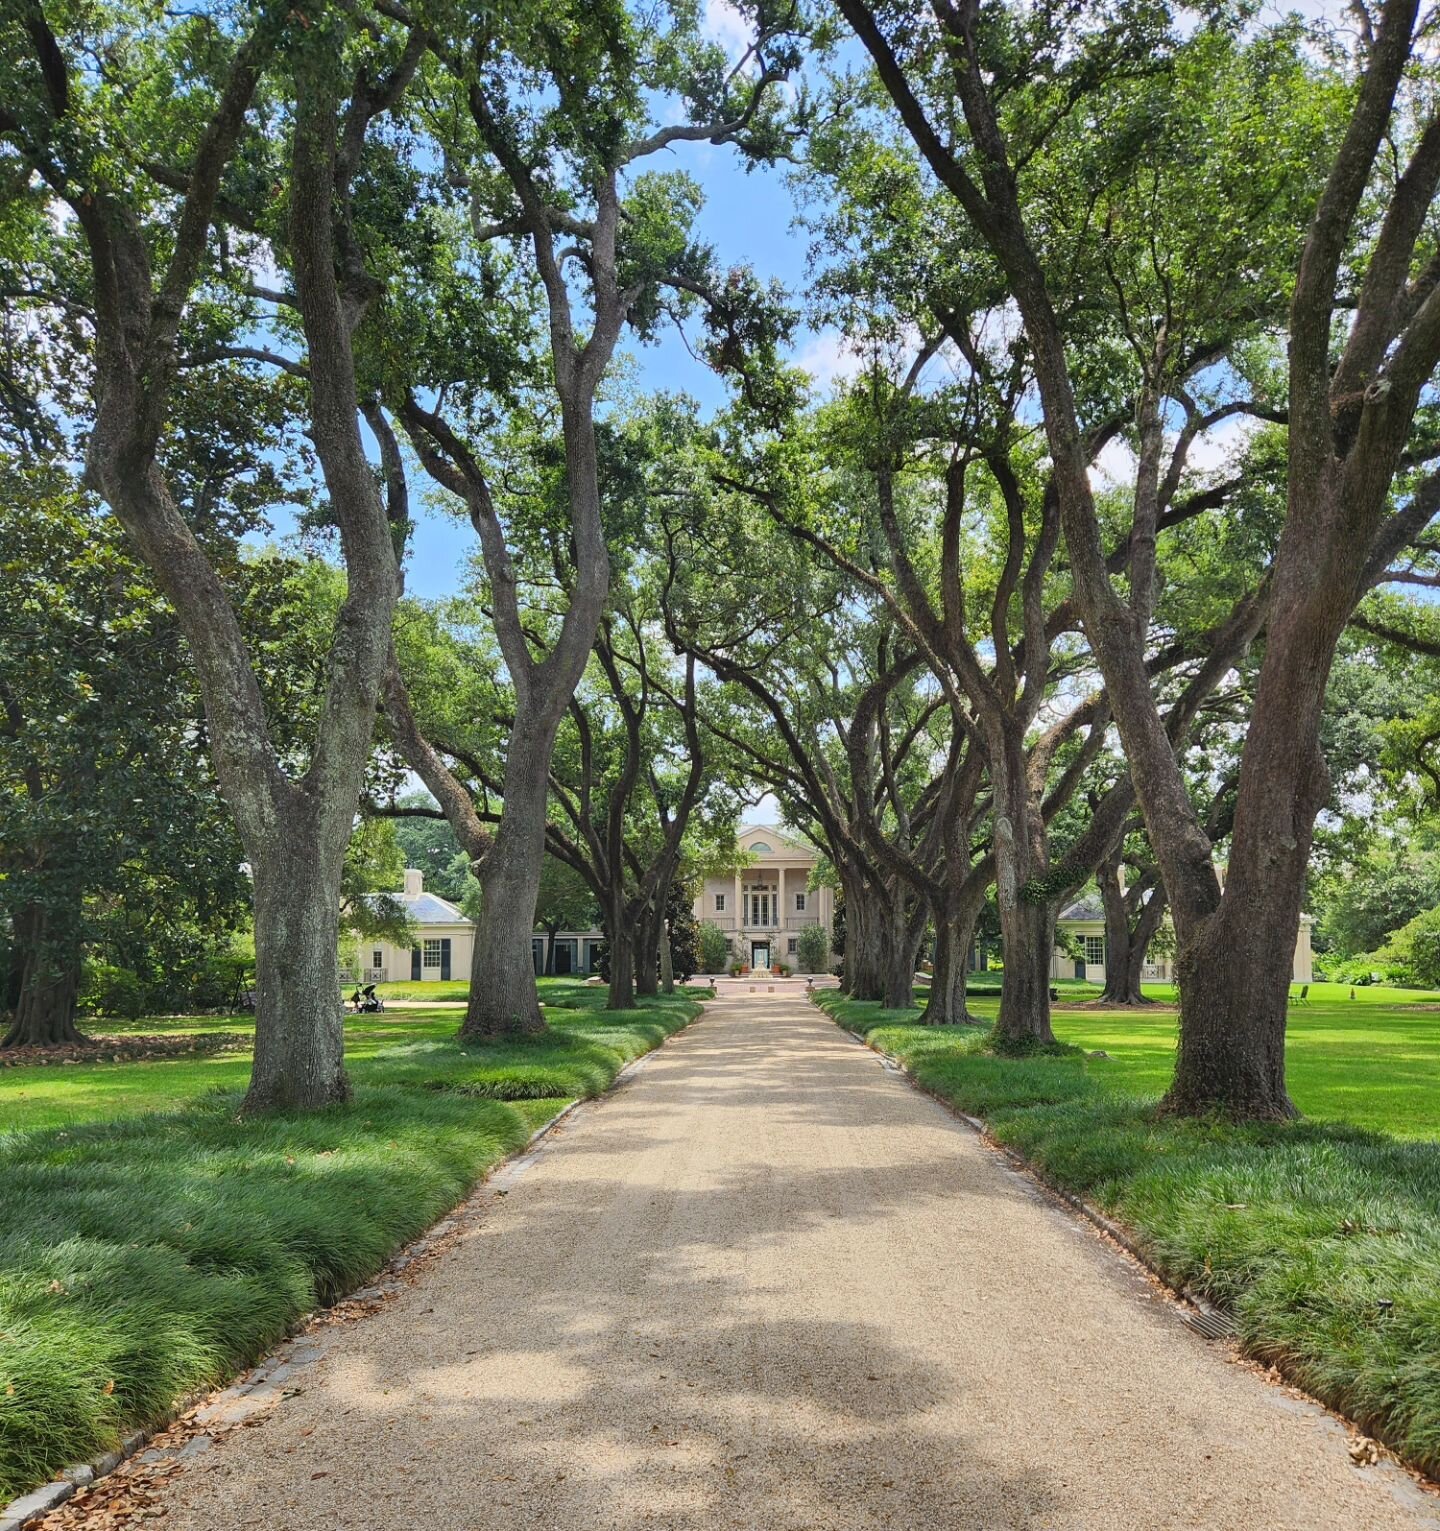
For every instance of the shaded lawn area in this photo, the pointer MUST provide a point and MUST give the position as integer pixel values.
(151, 1242)
(1323, 1238)
(1373, 1061)
(574, 1060)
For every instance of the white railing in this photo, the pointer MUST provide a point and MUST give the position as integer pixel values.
(375, 975)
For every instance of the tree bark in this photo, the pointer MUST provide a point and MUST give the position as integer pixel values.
(649, 942)
(1235, 966)
(623, 939)
(667, 970)
(299, 1022)
(1028, 933)
(864, 932)
(947, 1002)
(1130, 926)
(503, 999)
(1027, 921)
(900, 950)
(49, 983)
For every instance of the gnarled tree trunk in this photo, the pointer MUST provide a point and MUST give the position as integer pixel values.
(1235, 965)
(503, 999)
(47, 966)
(946, 1005)
(649, 928)
(1027, 919)
(902, 937)
(623, 938)
(1028, 933)
(299, 1021)
(1130, 926)
(667, 968)
(864, 945)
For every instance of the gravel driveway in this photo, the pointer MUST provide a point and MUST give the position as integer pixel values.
(769, 1284)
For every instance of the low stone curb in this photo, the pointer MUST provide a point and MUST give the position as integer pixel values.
(264, 1383)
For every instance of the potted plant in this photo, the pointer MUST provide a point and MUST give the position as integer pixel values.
(777, 969)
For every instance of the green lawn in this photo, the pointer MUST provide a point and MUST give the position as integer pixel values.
(1373, 1061)
(446, 990)
(152, 1242)
(1322, 1237)
(377, 1048)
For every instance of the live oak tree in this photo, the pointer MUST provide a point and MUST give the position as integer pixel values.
(1019, 81)
(825, 712)
(549, 134)
(631, 786)
(169, 198)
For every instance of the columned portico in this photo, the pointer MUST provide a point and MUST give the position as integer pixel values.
(763, 907)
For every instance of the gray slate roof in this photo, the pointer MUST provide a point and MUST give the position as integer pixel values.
(425, 908)
(1087, 908)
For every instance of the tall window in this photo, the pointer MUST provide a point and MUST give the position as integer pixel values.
(719, 903)
(377, 958)
(800, 903)
(432, 952)
(1095, 950)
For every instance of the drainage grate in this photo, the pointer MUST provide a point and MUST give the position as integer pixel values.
(1213, 1323)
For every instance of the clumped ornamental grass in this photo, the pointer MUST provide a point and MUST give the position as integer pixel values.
(1323, 1239)
(143, 1257)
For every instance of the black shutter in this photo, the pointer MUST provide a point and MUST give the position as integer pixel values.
(414, 964)
(444, 956)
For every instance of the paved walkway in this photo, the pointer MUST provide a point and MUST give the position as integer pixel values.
(768, 1284)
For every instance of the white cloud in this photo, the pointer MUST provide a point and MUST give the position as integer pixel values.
(1115, 467)
(829, 357)
(726, 25)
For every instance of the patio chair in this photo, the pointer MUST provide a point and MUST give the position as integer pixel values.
(1303, 997)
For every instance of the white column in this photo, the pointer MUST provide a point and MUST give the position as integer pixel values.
(739, 909)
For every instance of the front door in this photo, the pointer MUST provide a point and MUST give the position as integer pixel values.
(759, 955)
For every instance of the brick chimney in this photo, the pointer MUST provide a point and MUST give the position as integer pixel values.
(414, 881)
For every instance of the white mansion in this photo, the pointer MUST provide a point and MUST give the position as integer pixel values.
(761, 909)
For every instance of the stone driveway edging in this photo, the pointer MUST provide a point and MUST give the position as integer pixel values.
(264, 1384)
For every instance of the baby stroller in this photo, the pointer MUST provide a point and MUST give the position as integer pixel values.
(366, 1001)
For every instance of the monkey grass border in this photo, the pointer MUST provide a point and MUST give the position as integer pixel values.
(1409, 1481)
(266, 1372)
